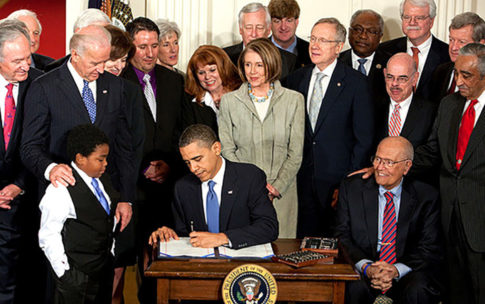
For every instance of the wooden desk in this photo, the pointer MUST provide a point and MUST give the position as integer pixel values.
(201, 279)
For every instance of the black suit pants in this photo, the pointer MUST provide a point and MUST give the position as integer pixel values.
(9, 253)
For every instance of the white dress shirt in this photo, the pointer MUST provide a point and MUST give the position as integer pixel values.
(3, 95)
(478, 107)
(218, 179)
(208, 101)
(56, 207)
(403, 112)
(328, 71)
(451, 81)
(78, 80)
(367, 64)
(422, 55)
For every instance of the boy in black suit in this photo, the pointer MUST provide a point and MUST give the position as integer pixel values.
(77, 223)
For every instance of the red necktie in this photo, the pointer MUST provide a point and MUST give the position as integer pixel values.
(389, 228)
(452, 87)
(395, 123)
(9, 115)
(416, 60)
(466, 128)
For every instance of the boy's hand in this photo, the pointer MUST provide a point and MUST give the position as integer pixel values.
(62, 174)
(123, 214)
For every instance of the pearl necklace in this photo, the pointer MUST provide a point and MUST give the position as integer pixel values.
(260, 99)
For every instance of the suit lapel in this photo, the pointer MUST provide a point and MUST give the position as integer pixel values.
(129, 73)
(406, 208)
(456, 114)
(475, 138)
(303, 88)
(378, 63)
(431, 61)
(196, 191)
(370, 205)
(412, 118)
(228, 196)
(68, 87)
(102, 91)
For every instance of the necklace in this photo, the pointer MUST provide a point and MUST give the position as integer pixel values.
(260, 99)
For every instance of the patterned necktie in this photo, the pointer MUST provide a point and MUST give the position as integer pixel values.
(212, 208)
(99, 194)
(415, 51)
(466, 128)
(389, 227)
(148, 90)
(361, 66)
(89, 102)
(395, 123)
(316, 101)
(9, 115)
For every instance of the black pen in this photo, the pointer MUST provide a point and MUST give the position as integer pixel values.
(191, 226)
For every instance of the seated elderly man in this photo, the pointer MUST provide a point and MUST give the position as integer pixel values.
(389, 227)
(221, 203)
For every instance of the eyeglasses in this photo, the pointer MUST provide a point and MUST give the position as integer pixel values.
(321, 40)
(376, 160)
(398, 79)
(360, 30)
(416, 18)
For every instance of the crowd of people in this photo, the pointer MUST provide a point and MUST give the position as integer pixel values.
(276, 136)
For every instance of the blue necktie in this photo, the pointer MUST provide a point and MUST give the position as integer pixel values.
(212, 207)
(361, 66)
(88, 99)
(100, 195)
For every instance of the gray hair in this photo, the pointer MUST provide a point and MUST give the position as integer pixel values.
(10, 29)
(341, 31)
(167, 27)
(90, 16)
(203, 134)
(95, 36)
(478, 50)
(252, 8)
(25, 12)
(420, 3)
(472, 19)
(368, 11)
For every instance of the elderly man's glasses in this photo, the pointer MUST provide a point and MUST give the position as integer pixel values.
(321, 40)
(399, 79)
(376, 160)
(416, 18)
(360, 30)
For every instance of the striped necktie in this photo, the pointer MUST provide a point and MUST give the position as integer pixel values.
(389, 228)
(395, 123)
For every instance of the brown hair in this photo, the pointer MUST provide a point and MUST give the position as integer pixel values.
(120, 43)
(284, 9)
(206, 55)
(269, 55)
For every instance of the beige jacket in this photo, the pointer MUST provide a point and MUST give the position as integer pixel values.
(274, 145)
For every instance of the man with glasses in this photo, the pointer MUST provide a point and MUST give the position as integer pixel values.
(389, 226)
(427, 51)
(365, 33)
(339, 130)
(464, 29)
(255, 22)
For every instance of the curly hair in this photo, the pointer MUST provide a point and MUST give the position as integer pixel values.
(84, 139)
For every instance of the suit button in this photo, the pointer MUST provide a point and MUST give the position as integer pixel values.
(463, 203)
(314, 142)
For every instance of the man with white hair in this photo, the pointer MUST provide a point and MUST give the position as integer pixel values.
(15, 78)
(35, 29)
(255, 22)
(90, 16)
(76, 93)
(427, 51)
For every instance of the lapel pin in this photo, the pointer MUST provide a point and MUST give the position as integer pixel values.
(105, 91)
(338, 84)
(229, 192)
(378, 66)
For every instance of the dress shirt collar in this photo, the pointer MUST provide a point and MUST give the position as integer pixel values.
(153, 81)
(79, 81)
(290, 49)
(423, 47)
(396, 191)
(4, 83)
(404, 104)
(328, 71)
(219, 178)
(208, 101)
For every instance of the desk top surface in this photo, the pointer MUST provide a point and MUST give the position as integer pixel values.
(219, 268)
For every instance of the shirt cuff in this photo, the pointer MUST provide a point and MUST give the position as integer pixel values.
(402, 270)
(61, 266)
(48, 170)
(359, 264)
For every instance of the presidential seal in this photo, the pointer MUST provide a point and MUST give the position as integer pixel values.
(249, 284)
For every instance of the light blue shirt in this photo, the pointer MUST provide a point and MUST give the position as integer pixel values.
(402, 269)
(291, 48)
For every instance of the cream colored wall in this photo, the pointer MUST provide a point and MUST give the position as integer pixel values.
(215, 21)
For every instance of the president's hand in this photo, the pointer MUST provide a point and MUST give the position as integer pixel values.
(62, 174)
(163, 234)
(367, 172)
(208, 239)
(123, 214)
(8, 194)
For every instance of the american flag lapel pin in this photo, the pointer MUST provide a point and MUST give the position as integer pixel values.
(105, 91)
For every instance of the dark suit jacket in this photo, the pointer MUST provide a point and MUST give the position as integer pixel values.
(195, 113)
(418, 240)
(41, 61)
(438, 54)
(344, 132)
(441, 80)
(54, 106)
(375, 75)
(12, 171)
(246, 214)
(417, 125)
(303, 56)
(57, 63)
(288, 60)
(464, 188)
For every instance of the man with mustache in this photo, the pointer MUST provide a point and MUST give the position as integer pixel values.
(427, 51)
(464, 29)
(365, 33)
